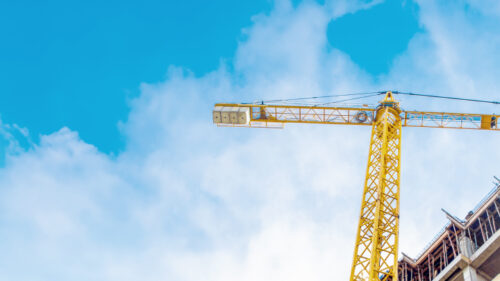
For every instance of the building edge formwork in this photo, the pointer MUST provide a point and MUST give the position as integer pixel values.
(466, 250)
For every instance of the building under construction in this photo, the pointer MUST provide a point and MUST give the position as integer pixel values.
(464, 250)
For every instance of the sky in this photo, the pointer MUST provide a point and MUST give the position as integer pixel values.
(86, 59)
(112, 170)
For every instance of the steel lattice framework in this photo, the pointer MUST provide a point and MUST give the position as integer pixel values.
(375, 253)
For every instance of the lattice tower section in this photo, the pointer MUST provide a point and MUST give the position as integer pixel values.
(375, 254)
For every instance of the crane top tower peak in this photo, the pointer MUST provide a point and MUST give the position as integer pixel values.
(389, 101)
(388, 97)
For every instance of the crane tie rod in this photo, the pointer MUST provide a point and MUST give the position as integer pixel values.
(444, 97)
(363, 95)
(371, 94)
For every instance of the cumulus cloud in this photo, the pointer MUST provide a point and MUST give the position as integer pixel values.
(188, 201)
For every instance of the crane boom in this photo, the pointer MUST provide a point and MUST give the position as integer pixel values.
(275, 116)
(376, 248)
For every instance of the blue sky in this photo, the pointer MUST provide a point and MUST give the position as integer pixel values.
(113, 170)
(85, 60)
(373, 37)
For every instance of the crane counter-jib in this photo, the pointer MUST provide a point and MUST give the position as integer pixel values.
(244, 114)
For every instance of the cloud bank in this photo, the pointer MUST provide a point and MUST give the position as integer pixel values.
(188, 201)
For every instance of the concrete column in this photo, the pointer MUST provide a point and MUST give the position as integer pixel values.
(466, 246)
(470, 274)
(467, 249)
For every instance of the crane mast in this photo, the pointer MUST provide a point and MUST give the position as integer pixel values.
(376, 248)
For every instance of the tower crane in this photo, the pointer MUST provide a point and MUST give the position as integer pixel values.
(376, 248)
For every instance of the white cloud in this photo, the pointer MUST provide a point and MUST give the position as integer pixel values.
(188, 201)
(454, 56)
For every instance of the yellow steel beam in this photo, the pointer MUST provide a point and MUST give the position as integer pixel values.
(450, 120)
(272, 116)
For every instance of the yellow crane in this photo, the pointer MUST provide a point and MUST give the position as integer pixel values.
(376, 248)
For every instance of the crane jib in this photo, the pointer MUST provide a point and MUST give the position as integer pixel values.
(450, 120)
(273, 116)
